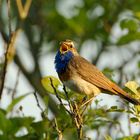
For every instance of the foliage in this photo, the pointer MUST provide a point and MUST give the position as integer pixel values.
(46, 23)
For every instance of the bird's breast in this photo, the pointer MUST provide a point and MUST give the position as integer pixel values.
(79, 85)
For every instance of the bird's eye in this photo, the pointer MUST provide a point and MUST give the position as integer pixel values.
(71, 46)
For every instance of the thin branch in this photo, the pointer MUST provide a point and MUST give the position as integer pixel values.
(43, 115)
(75, 115)
(34, 80)
(9, 15)
(60, 136)
(9, 54)
(6, 60)
(58, 96)
(39, 106)
(129, 123)
(16, 84)
(67, 97)
(23, 10)
(56, 92)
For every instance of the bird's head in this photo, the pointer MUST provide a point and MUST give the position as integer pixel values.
(64, 55)
(66, 47)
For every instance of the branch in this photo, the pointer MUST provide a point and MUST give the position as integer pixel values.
(9, 16)
(16, 84)
(38, 102)
(60, 136)
(6, 53)
(75, 115)
(23, 10)
(56, 92)
(34, 80)
(39, 106)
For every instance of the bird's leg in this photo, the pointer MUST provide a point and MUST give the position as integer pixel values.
(85, 104)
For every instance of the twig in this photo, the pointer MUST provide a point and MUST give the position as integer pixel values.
(39, 106)
(16, 84)
(9, 16)
(85, 103)
(23, 10)
(56, 92)
(78, 121)
(6, 60)
(75, 115)
(129, 123)
(34, 80)
(67, 97)
(61, 103)
(60, 136)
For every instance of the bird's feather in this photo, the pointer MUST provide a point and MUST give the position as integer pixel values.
(91, 74)
(80, 75)
(61, 61)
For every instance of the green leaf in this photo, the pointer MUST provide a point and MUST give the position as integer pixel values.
(5, 124)
(114, 107)
(139, 64)
(130, 24)
(108, 137)
(134, 137)
(51, 83)
(133, 86)
(46, 82)
(15, 101)
(134, 120)
(128, 38)
(19, 122)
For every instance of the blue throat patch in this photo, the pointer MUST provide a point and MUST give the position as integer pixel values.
(62, 60)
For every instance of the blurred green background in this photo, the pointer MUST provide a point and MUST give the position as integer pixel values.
(106, 32)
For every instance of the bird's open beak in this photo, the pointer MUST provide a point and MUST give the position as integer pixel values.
(63, 47)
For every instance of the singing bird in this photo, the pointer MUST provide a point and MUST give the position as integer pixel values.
(81, 76)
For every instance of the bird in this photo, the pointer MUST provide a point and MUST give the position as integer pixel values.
(81, 76)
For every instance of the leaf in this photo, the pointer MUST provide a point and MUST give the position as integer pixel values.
(107, 137)
(14, 102)
(19, 122)
(114, 107)
(130, 24)
(46, 82)
(134, 120)
(115, 110)
(128, 38)
(51, 87)
(134, 87)
(134, 137)
(5, 124)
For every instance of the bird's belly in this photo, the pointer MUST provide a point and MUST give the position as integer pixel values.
(81, 86)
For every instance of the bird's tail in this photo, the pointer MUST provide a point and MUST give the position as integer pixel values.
(131, 99)
(125, 95)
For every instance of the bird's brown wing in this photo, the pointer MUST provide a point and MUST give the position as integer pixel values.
(91, 74)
